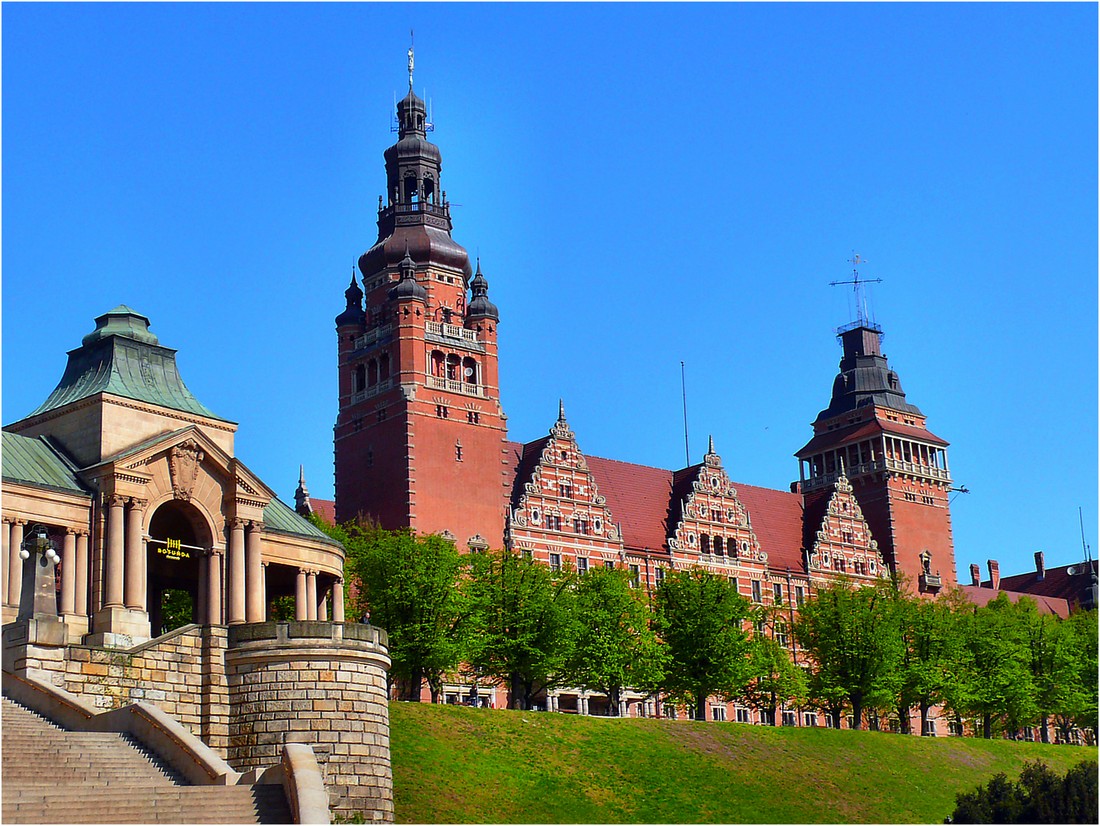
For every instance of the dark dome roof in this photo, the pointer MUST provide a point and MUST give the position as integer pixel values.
(353, 313)
(408, 287)
(426, 244)
(480, 306)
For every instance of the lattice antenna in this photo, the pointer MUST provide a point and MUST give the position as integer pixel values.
(857, 287)
(412, 44)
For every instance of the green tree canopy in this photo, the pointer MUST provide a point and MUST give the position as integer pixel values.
(700, 617)
(774, 679)
(522, 622)
(615, 645)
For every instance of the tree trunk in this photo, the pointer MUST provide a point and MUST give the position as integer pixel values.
(987, 726)
(835, 714)
(435, 687)
(857, 714)
(515, 695)
(613, 701)
(923, 719)
(701, 705)
(904, 724)
(1045, 727)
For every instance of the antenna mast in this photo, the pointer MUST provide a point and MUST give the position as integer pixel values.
(683, 389)
(857, 287)
(1084, 545)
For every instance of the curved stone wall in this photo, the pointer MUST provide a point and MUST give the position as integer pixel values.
(318, 683)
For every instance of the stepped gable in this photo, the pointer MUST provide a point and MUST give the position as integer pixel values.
(837, 536)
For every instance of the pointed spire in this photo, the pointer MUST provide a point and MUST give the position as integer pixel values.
(480, 305)
(710, 447)
(561, 410)
(353, 303)
(302, 505)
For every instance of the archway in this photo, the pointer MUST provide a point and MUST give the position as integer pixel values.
(178, 538)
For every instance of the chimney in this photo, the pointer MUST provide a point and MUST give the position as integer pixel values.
(1040, 566)
(994, 574)
(975, 575)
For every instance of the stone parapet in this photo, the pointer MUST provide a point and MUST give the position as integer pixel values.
(319, 683)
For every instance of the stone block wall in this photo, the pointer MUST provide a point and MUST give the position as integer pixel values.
(182, 673)
(318, 683)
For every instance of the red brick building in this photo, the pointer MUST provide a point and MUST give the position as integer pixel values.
(421, 438)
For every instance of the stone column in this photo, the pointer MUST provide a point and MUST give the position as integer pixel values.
(5, 559)
(236, 572)
(135, 556)
(115, 550)
(214, 587)
(80, 583)
(338, 601)
(254, 574)
(300, 610)
(311, 595)
(68, 572)
(322, 608)
(15, 562)
(201, 613)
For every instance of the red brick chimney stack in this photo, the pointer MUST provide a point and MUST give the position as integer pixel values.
(1040, 566)
(975, 575)
(994, 575)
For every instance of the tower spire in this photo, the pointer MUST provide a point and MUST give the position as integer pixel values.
(411, 61)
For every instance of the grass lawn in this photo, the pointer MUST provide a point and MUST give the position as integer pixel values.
(461, 765)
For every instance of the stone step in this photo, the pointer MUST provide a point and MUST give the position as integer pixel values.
(185, 804)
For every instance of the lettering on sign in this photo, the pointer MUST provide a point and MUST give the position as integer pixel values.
(174, 549)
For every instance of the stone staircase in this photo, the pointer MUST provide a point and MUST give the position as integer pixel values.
(51, 775)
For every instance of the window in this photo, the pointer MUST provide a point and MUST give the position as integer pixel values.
(669, 710)
(704, 543)
(555, 562)
(582, 564)
(955, 728)
(790, 718)
(847, 537)
(756, 594)
(442, 411)
(930, 730)
(609, 563)
(744, 715)
(528, 554)
(382, 414)
(777, 592)
(660, 575)
(839, 564)
(635, 576)
(718, 549)
(360, 378)
(580, 525)
(715, 515)
(781, 633)
(553, 521)
(718, 714)
(565, 490)
(370, 457)
(799, 595)
(733, 582)
(473, 417)
(809, 719)
(458, 451)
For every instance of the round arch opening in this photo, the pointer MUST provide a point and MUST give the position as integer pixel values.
(179, 537)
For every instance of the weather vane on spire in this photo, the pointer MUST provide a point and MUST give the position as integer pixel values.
(857, 286)
(411, 44)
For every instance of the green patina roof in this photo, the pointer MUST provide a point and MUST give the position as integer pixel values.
(35, 462)
(280, 517)
(123, 358)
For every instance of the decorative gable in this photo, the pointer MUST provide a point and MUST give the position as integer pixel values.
(843, 542)
(559, 515)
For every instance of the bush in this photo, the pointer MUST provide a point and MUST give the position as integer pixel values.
(1040, 796)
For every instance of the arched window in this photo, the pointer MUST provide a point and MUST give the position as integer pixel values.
(718, 549)
(360, 378)
(452, 366)
(384, 367)
(372, 373)
(469, 370)
(704, 543)
(429, 189)
(412, 191)
(437, 364)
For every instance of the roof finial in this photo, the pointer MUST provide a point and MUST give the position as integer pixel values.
(710, 448)
(411, 44)
(561, 410)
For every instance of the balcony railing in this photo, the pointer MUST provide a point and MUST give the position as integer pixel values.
(451, 331)
(918, 469)
(895, 465)
(371, 392)
(455, 386)
(439, 210)
(930, 582)
(368, 338)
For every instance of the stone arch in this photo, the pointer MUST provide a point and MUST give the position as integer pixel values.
(180, 537)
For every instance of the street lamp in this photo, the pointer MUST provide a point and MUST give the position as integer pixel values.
(38, 597)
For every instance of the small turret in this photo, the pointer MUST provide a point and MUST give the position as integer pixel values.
(302, 504)
(480, 306)
(408, 287)
(353, 312)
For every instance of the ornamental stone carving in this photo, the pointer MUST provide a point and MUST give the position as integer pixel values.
(183, 465)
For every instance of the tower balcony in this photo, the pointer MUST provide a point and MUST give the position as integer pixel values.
(893, 465)
(371, 392)
(441, 328)
(456, 386)
(419, 212)
(371, 336)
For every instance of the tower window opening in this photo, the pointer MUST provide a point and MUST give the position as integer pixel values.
(473, 417)
(372, 373)
(442, 411)
(469, 370)
(360, 378)
(429, 190)
(452, 366)
(384, 367)
(438, 361)
(412, 191)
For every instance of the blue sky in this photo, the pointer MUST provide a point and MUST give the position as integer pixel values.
(645, 184)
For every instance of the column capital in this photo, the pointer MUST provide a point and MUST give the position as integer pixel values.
(237, 524)
(18, 521)
(215, 552)
(138, 504)
(114, 500)
(256, 525)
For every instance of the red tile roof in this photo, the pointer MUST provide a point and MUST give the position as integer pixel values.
(645, 502)
(984, 596)
(1057, 582)
(324, 508)
(866, 430)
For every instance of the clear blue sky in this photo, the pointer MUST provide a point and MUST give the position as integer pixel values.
(645, 184)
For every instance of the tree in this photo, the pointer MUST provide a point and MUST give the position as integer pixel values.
(407, 583)
(1073, 698)
(614, 644)
(699, 618)
(1040, 796)
(775, 680)
(851, 636)
(521, 622)
(994, 669)
(931, 636)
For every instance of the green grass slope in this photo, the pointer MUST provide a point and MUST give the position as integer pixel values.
(462, 765)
